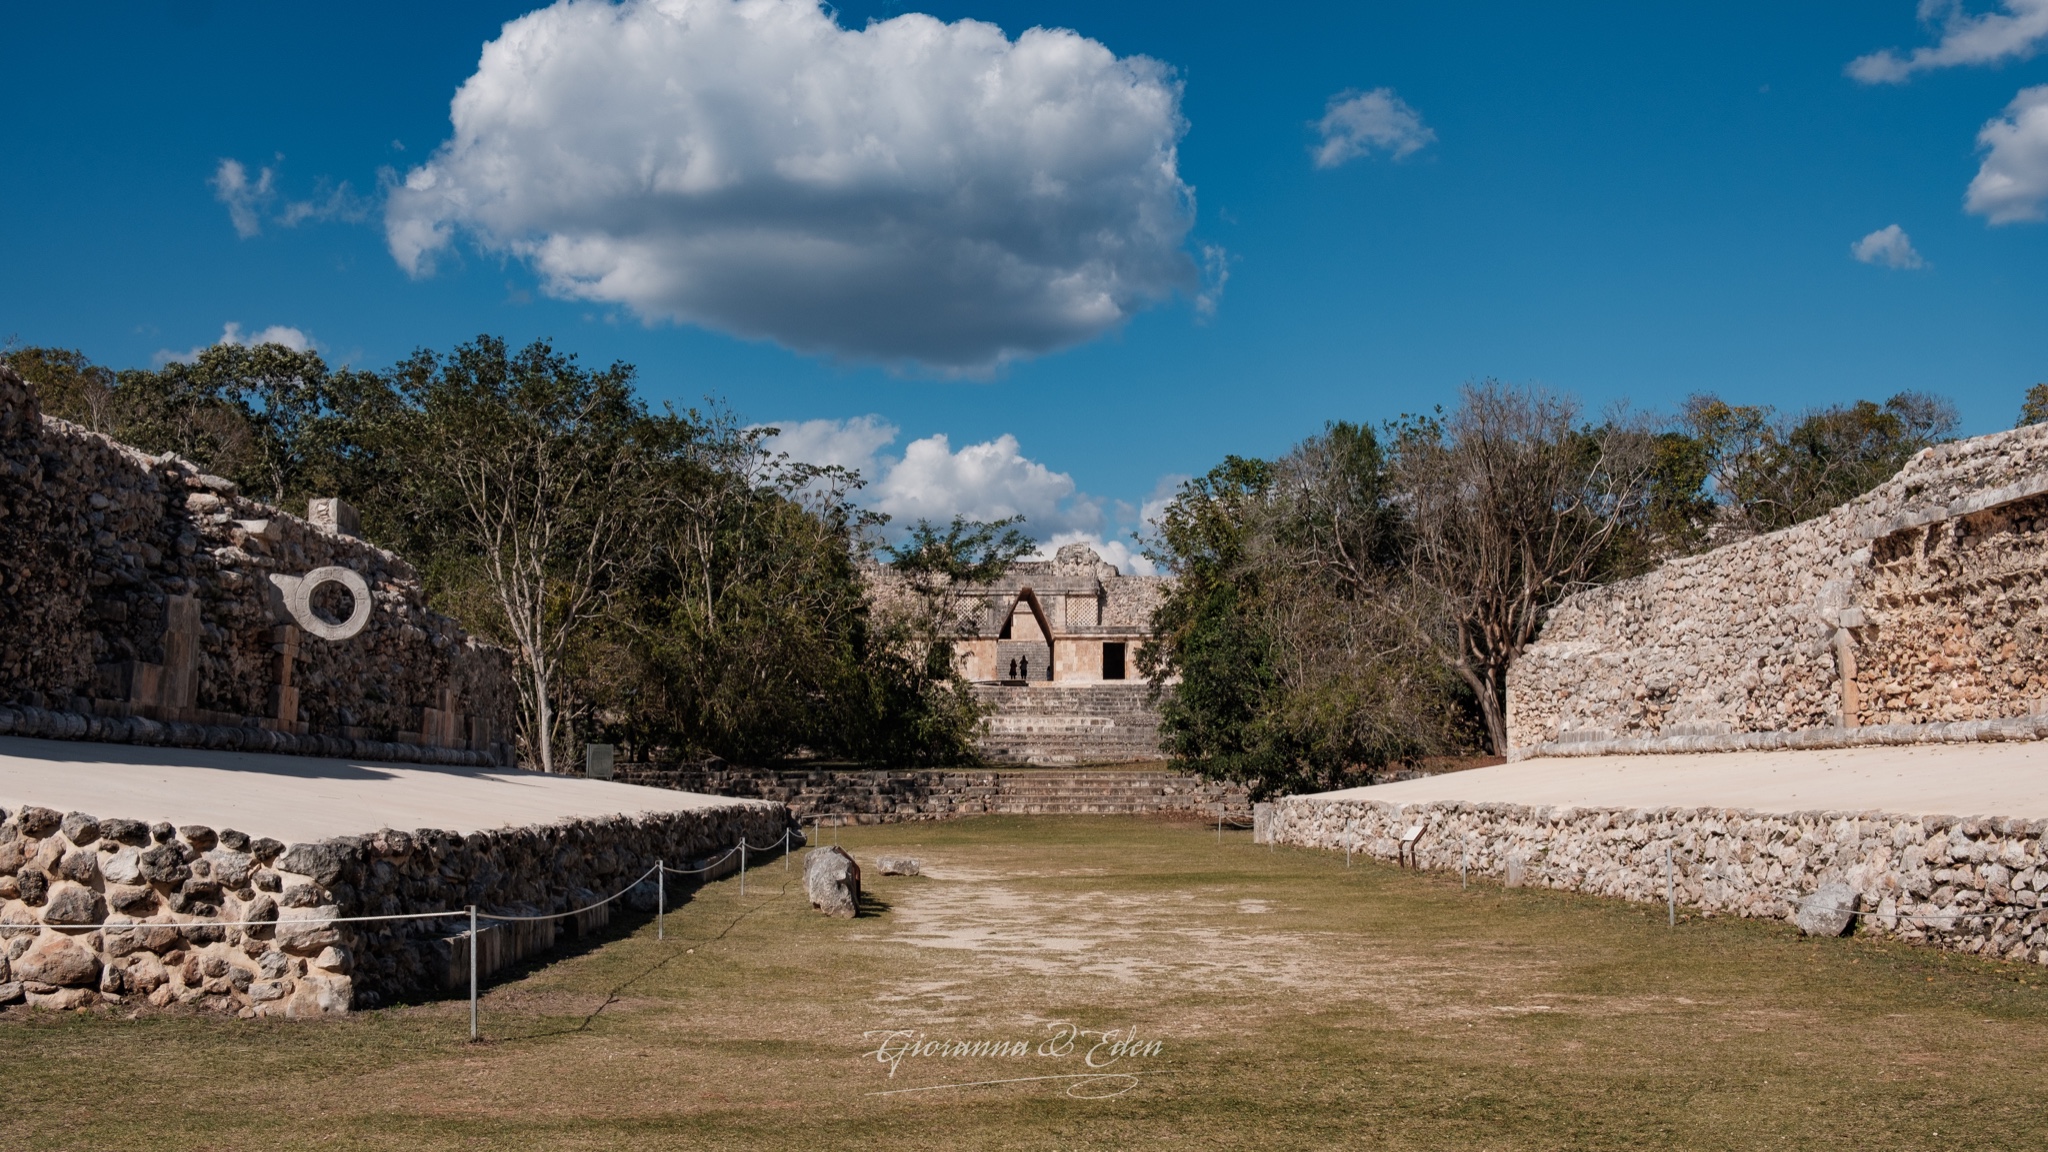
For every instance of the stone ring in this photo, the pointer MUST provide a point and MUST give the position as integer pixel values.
(297, 593)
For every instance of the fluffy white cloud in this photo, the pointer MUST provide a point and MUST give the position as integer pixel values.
(986, 481)
(1356, 124)
(2012, 183)
(1889, 246)
(912, 191)
(854, 443)
(251, 202)
(1117, 552)
(292, 338)
(1988, 38)
(931, 480)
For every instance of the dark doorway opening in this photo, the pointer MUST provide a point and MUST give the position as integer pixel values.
(1113, 661)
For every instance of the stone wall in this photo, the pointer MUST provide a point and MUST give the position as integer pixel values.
(95, 910)
(147, 601)
(1913, 612)
(874, 797)
(1973, 885)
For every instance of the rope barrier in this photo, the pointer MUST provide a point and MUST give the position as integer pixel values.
(573, 911)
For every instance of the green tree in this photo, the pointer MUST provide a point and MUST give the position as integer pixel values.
(2034, 409)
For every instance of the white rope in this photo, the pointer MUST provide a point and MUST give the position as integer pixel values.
(729, 854)
(573, 911)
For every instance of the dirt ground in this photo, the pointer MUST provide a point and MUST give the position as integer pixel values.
(1104, 983)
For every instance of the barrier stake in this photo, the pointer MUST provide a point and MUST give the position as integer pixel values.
(1463, 862)
(1670, 889)
(743, 867)
(472, 974)
(661, 899)
(785, 849)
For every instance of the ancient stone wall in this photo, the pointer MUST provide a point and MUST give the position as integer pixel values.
(113, 909)
(1969, 884)
(875, 797)
(1913, 612)
(149, 602)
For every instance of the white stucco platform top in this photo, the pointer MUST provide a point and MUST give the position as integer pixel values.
(297, 798)
(1992, 779)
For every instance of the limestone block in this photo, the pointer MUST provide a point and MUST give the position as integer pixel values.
(73, 904)
(832, 882)
(301, 931)
(897, 865)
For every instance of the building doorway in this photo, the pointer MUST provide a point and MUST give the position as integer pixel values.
(1113, 660)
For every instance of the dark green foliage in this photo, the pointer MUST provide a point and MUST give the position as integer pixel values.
(2034, 409)
(662, 579)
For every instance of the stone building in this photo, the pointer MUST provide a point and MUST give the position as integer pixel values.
(1915, 612)
(1052, 648)
(148, 602)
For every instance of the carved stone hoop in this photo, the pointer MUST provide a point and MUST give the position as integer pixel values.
(296, 595)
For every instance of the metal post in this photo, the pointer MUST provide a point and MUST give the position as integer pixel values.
(660, 900)
(785, 849)
(1670, 889)
(1219, 823)
(1464, 862)
(473, 1037)
(743, 867)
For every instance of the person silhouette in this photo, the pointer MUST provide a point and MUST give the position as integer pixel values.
(1013, 669)
(1024, 667)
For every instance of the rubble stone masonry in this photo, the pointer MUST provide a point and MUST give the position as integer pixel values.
(1912, 613)
(125, 911)
(147, 602)
(1974, 885)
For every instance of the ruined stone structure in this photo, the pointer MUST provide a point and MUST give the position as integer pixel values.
(148, 602)
(860, 796)
(1052, 649)
(1968, 884)
(123, 910)
(1916, 612)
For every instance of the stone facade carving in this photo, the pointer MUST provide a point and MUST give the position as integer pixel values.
(1052, 648)
(149, 601)
(1913, 612)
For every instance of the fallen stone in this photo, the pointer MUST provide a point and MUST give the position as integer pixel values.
(1828, 912)
(897, 865)
(59, 960)
(832, 881)
(10, 992)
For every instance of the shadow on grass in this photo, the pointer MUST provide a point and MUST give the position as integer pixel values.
(674, 945)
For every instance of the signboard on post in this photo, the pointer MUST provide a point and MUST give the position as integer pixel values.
(597, 761)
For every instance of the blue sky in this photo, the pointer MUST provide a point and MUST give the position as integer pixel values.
(1621, 201)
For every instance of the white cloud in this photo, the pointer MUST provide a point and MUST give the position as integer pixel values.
(1356, 124)
(245, 199)
(2012, 183)
(851, 443)
(931, 480)
(292, 338)
(1889, 246)
(912, 191)
(986, 481)
(250, 202)
(1987, 38)
(1118, 552)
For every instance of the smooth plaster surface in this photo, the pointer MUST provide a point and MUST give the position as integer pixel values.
(1991, 779)
(297, 798)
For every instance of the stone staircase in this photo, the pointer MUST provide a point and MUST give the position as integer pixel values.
(1066, 724)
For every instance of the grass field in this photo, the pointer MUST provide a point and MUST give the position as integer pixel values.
(1294, 1004)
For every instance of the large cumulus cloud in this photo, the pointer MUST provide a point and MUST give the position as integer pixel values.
(911, 191)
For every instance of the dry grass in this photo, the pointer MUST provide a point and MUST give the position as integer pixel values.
(1297, 1004)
